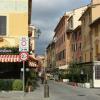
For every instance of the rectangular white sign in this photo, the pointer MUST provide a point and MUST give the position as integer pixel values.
(24, 44)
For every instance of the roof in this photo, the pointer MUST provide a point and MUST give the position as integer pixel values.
(77, 28)
(89, 7)
(62, 18)
(95, 22)
(66, 15)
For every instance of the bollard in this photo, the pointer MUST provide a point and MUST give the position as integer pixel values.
(46, 91)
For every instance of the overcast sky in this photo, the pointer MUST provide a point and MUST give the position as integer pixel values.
(46, 14)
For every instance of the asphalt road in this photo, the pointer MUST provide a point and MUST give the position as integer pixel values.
(61, 91)
(58, 91)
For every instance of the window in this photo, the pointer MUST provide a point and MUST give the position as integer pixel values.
(89, 17)
(80, 46)
(85, 57)
(96, 49)
(72, 22)
(80, 59)
(96, 30)
(64, 36)
(90, 56)
(2, 25)
(97, 72)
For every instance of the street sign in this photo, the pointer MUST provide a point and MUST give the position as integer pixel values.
(23, 44)
(23, 56)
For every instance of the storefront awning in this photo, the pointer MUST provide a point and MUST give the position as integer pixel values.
(63, 67)
(33, 62)
(9, 58)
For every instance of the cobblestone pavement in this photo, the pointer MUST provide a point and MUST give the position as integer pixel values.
(58, 91)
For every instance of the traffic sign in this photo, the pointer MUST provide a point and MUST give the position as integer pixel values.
(23, 56)
(23, 44)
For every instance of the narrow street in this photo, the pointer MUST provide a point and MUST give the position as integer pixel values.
(58, 91)
(61, 91)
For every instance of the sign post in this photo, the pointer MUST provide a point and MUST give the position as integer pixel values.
(23, 49)
(23, 76)
(23, 57)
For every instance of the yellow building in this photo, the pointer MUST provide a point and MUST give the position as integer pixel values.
(88, 17)
(13, 21)
(95, 29)
(90, 43)
(13, 24)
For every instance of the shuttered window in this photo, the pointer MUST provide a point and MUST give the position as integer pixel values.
(3, 21)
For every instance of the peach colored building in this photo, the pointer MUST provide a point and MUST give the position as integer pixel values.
(51, 61)
(73, 31)
(76, 43)
(62, 42)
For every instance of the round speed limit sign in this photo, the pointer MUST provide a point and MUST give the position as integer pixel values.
(23, 56)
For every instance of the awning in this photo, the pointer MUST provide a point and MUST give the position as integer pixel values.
(33, 62)
(63, 67)
(9, 58)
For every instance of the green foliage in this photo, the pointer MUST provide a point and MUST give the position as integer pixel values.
(75, 74)
(14, 50)
(1, 84)
(32, 77)
(17, 85)
(6, 84)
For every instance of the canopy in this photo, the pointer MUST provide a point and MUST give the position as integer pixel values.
(9, 58)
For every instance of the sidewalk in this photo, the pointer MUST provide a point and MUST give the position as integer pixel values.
(38, 94)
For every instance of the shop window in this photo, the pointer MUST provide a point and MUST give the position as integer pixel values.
(97, 72)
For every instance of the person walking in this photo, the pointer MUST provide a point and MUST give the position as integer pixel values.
(42, 78)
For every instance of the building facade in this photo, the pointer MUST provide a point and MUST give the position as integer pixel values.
(88, 17)
(90, 47)
(51, 58)
(74, 33)
(13, 24)
(13, 21)
(76, 43)
(95, 30)
(60, 42)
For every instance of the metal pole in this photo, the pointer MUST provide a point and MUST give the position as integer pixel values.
(23, 76)
(87, 78)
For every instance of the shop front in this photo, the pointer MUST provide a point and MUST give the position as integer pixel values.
(10, 66)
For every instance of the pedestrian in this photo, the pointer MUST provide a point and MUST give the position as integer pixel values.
(42, 78)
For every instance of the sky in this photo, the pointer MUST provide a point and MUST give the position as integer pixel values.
(46, 14)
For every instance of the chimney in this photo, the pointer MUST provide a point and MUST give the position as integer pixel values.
(95, 1)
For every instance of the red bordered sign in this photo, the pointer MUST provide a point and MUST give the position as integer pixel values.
(23, 56)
